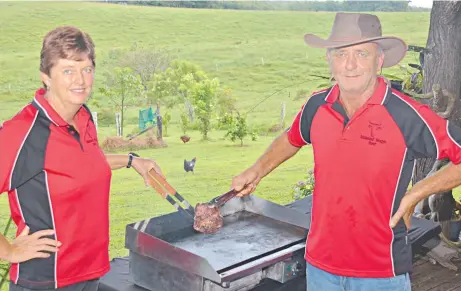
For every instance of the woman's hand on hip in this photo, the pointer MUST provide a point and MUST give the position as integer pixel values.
(30, 246)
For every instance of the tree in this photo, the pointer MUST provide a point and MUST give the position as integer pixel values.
(144, 62)
(124, 88)
(442, 67)
(204, 99)
(237, 127)
(176, 83)
(184, 122)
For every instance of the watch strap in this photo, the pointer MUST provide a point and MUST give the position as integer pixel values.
(130, 159)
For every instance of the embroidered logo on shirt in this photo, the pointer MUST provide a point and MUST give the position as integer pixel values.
(372, 138)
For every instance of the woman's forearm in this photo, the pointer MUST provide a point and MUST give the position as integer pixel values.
(117, 161)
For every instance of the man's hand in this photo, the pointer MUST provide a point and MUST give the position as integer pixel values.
(405, 211)
(246, 182)
(143, 166)
(26, 247)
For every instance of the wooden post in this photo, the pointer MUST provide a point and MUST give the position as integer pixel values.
(118, 123)
(159, 123)
(95, 119)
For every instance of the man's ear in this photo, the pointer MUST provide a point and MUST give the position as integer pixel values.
(380, 62)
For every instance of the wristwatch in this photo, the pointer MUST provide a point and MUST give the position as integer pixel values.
(130, 159)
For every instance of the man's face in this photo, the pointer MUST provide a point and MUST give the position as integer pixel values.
(355, 68)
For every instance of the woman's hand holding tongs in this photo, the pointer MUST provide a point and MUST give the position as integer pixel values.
(143, 166)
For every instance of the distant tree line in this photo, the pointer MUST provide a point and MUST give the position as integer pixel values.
(328, 5)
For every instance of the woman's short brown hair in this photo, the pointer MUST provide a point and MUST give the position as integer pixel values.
(65, 42)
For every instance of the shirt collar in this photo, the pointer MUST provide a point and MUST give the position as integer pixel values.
(378, 96)
(47, 111)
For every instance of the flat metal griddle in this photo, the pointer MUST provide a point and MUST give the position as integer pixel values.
(256, 233)
(244, 235)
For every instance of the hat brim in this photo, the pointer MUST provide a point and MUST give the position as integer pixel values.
(393, 47)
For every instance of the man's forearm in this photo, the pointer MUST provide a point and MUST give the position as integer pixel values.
(117, 161)
(278, 152)
(443, 180)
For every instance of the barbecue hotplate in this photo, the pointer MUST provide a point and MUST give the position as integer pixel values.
(244, 235)
(256, 233)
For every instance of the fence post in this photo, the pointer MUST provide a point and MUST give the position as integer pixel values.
(95, 119)
(118, 123)
(159, 123)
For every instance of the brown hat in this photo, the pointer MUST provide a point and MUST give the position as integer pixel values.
(355, 28)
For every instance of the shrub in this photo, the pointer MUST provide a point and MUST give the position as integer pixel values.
(303, 189)
(106, 117)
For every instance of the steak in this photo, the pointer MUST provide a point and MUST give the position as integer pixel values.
(207, 218)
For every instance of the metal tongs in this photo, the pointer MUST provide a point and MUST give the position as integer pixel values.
(222, 199)
(168, 192)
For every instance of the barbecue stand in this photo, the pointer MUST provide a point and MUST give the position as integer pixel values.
(259, 239)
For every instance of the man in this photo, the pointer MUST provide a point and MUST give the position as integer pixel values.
(365, 138)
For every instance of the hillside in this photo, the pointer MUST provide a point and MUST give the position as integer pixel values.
(227, 44)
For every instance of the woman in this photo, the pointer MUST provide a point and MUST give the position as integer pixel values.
(57, 177)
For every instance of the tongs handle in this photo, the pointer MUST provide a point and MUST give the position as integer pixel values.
(222, 199)
(157, 181)
(162, 181)
(153, 178)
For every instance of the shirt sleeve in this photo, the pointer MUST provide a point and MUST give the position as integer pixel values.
(299, 133)
(12, 135)
(295, 132)
(439, 138)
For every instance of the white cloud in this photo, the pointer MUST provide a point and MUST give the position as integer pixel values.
(421, 3)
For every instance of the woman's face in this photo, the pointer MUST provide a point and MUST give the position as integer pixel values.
(71, 81)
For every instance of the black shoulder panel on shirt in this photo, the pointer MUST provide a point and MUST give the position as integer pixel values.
(309, 111)
(418, 137)
(31, 157)
(89, 112)
(455, 132)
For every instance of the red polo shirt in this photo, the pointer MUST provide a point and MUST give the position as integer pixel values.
(57, 179)
(363, 167)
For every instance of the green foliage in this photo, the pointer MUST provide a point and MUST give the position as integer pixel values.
(412, 80)
(106, 117)
(124, 88)
(305, 188)
(204, 99)
(226, 102)
(144, 62)
(176, 83)
(237, 127)
(184, 122)
(166, 118)
(225, 120)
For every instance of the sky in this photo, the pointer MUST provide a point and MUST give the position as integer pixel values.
(421, 3)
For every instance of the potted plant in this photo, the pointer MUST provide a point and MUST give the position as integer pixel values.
(455, 225)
